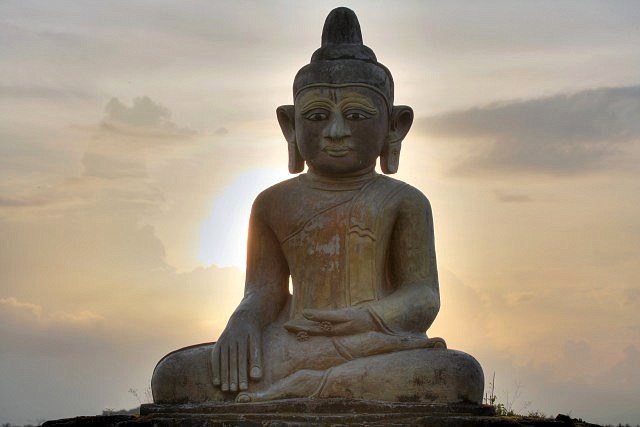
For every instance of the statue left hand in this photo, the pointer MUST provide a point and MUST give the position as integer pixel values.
(344, 321)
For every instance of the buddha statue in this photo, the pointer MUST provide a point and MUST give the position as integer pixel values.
(358, 247)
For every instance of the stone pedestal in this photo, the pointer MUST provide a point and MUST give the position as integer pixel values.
(299, 412)
(317, 412)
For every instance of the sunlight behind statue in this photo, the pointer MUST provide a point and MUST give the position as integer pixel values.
(359, 249)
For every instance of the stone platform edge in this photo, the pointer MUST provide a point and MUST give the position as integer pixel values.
(317, 407)
(314, 412)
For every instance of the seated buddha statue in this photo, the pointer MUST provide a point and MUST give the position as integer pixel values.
(358, 247)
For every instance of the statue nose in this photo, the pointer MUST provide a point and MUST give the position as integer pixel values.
(337, 128)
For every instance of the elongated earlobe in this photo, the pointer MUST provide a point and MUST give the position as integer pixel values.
(296, 162)
(390, 158)
(400, 123)
(287, 120)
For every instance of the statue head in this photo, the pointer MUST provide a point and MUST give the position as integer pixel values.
(343, 117)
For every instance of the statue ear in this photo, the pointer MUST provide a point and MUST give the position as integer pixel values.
(287, 119)
(399, 125)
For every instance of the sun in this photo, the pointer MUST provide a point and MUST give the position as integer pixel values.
(223, 236)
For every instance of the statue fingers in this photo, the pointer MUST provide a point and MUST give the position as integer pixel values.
(224, 368)
(317, 328)
(320, 326)
(327, 328)
(215, 364)
(255, 356)
(312, 329)
(334, 316)
(353, 327)
(344, 328)
(242, 365)
(233, 366)
(291, 327)
(295, 325)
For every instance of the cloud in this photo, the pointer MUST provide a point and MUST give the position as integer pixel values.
(90, 291)
(14, 202)
(13, 303)
(26, 326)
(626, 372)
(508, 197)
(99, 165)
(144, 118)
(498, 330)
(557, 135)
(144, 112)
(40, 92)
(632, 296)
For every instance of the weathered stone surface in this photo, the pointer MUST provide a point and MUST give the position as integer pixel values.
(358, 248)
(319, 407)
(428, 375)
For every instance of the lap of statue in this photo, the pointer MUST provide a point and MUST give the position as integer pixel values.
(372, 365)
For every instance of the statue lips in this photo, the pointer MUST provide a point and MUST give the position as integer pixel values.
(339, 149)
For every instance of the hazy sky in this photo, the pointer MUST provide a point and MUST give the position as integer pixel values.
(134, 134)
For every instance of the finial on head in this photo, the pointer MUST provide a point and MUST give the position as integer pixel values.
(341, 26)
(343, 59)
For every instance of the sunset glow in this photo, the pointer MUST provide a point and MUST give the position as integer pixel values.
(223, 241)
(134, 135)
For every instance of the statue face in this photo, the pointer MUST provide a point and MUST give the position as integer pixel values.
(340, 131)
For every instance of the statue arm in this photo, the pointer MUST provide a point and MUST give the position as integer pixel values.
(237, 355)
(267, 274)
(415, 302)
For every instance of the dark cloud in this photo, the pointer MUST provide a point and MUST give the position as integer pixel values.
(144, 118)
(559, 135)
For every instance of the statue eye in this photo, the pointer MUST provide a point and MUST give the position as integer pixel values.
(356, 115)
(316, 116)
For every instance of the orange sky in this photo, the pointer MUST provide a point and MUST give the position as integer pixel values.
(132, 132)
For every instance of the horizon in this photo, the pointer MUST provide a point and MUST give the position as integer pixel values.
(134, 135)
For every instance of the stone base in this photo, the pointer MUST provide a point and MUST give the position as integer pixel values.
(321, 412)
(317, 412)
(312, 412)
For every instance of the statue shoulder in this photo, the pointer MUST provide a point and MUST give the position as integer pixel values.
(275, 195)
(406, 196)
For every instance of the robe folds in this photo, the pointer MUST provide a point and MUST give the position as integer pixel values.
(339, 251)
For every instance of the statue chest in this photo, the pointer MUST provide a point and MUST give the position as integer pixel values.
(337, 255)
(318, 247)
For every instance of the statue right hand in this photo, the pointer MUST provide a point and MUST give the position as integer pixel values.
(237, 352)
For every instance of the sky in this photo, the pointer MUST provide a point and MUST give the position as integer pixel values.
(134, 135)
